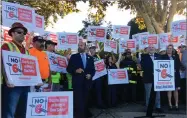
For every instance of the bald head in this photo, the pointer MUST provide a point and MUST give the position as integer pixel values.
(81, 47)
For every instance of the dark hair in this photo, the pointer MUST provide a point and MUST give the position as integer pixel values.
(107, 59)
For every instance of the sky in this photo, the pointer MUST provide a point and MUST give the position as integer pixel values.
(73, 22)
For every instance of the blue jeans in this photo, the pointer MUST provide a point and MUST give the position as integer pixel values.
(148, 92)
(11, 99)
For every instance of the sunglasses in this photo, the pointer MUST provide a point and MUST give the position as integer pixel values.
(20, 32)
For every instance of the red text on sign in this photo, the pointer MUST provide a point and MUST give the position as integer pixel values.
(113, 44)
(28, 67)
(124, 30)
(58, 105)
(72, 39)
(121, 74)
(25, 15)
(100, 66)
(38, 22)
(152, 40)
(130, 44)
(100, 32)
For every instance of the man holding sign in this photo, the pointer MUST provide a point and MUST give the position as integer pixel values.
(12, 93)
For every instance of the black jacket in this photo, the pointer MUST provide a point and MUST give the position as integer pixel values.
(177, 64)
(129, 63)
(148, 67)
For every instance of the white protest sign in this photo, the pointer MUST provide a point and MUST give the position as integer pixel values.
(110, 46)
(68, 40)
(57, 63)
(127, 44)
(21, 69)
(100, 69)
(137, 37)
(148, 40)
(50, 105)
(12, 13)
(50, 36)
(117, 76)
(39, 24)
(164, 39)
(96, 33)
(120, 31)
(164, 76)
(4, 34)
(179, 28)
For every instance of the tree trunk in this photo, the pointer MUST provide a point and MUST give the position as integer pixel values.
(172, 11)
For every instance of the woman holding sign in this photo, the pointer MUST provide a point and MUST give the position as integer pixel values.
(172, 55)
(110, 64)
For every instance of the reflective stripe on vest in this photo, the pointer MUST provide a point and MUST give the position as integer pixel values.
(129, 68)
(98, 56)
(14, 48)
(132, 82)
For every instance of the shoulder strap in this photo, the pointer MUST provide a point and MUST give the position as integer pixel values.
(13, 47)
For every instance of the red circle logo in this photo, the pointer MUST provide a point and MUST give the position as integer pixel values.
(15, 68)
(11, 14)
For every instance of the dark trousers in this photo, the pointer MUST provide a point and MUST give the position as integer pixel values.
(97, 86)
(131, 92)
(183, 91)
(81, 88)
(112, 96)
(151, 102)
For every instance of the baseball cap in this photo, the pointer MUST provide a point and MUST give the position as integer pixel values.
(38, 38)
(50, 42)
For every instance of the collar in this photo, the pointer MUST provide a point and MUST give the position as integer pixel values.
(17, 44)
(151, 54)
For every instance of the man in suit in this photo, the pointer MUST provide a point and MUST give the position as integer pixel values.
(82, 68)
(148, 76)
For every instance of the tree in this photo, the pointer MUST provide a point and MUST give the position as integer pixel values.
(135, 27)
(49, 8)
(157, 14)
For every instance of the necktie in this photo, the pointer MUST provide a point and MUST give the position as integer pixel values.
(83, 60)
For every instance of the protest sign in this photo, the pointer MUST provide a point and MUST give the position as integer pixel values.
(21, 69)
(4, 34)
(100, 69)
(96, 33)
(117, 76)
(50, 105)
(137, 37)
(148, 40)
(164, 76)
(120, 32)
(127, 44)
(50, 36)
(110, 46)
(68, 40)
(57, 63)
(179, 28)
(39, 24)
(12, 13)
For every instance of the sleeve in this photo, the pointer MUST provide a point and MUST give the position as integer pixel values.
(71, 66)
(92, 67)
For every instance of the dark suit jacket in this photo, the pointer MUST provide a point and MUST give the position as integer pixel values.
(75, 63)
(177, 64)
(148, 67)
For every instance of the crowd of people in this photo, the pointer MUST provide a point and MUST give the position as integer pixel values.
(81, 69)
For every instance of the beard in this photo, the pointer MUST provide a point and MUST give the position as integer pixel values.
(20, 38)
(81, 50)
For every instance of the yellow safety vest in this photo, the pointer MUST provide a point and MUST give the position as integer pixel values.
(13, 48)
(134, 72)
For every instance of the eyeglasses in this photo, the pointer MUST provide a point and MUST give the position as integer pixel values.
(20, 32)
